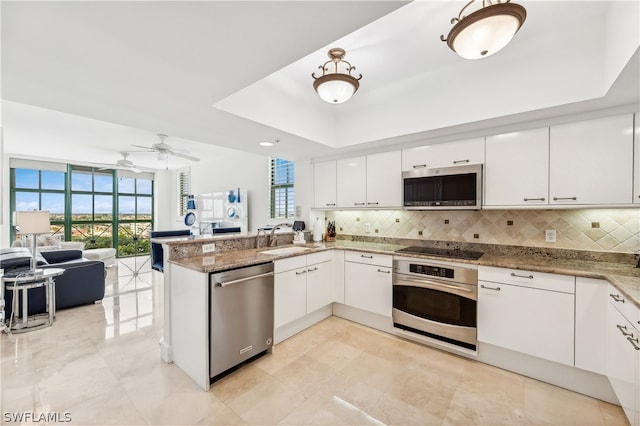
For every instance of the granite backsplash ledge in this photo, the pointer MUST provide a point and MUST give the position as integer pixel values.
(533, 253)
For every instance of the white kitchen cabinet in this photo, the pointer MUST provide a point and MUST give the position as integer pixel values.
(528, 312)
(623, 361)
(352, 182)
(447, 154)
(368, 286)
(324, 185)
(591, 162)
(636, 156)
(516, 169)
(319, 283)
(591, 324)
(384, 180)
(338, 276)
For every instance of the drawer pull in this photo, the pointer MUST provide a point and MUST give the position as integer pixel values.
(460, 161)
(564, 198)
(312, 270)
(373, 204)
(331, 204)
(634, 343)
(419, 166)
(489, 288)
(522, 276)
(358, 204)
(366, 257)
(301, 272)
(617, 297)
(386, 272)
(533, 199)
(623, 330)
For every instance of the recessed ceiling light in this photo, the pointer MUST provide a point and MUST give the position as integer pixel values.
(266, 144)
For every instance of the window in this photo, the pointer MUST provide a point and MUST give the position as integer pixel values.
(184, 187)
(281, 194)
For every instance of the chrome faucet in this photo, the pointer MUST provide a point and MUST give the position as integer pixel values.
(272, 240)
(258, 237)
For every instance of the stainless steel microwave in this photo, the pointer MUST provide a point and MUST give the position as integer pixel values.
(445, 188)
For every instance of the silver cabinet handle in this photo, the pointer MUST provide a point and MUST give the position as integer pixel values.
(634, 343)
(564, 198)
(358, 204)
(623, 330)
(419, 166)
(489, 288)
(533, 199)
(460, 161)
(301, 272)
(312, 270)
(330, 204)
(241, 280)
(386, 272)
(366, 257)
(617, 297)
(522, 276)
(373, 204)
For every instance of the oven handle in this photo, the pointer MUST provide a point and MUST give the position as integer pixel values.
(431, 284)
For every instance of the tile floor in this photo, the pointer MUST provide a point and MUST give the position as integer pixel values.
(100, 364)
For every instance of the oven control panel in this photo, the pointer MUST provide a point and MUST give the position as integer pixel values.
(435, 271)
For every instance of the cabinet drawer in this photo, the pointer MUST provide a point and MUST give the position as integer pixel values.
(289, 263)
(523, 278)
(368, 258)
(323, 256)
(624, 305)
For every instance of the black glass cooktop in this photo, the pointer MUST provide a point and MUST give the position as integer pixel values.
(440, 252)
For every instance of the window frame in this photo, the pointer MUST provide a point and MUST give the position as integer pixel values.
(288, 168)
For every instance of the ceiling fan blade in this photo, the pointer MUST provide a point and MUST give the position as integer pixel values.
(134, 170)
(147, 148)
(185, 156)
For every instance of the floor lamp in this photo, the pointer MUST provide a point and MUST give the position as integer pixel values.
(33, 222)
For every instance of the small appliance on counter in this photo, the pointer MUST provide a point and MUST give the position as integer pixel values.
(298, 227)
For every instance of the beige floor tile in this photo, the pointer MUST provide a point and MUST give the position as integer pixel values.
(612, 414)
(238, 382)
(560, 406)
(334, 353)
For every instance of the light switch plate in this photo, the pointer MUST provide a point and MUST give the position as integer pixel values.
(550, 236)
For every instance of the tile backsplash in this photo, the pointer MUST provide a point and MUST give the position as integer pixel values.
(611, 230)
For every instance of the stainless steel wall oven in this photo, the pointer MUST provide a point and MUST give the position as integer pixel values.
(437, 300)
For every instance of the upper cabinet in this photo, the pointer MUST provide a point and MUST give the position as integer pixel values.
(352, 182)
(324, 185)
(460, 153)
(516, 169)
(636, 163)
(590, 162)
(384, 180)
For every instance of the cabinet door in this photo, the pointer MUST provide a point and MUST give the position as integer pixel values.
(516, 168)
(338, 276)
(324, 184)
(319, 286)
(352, 182)
(290, 296)
(591, 162)
(384, 180)
(636, 155)
(535, 322)
(622, 362)
(447, 154)
(368, 287)
(591, 324)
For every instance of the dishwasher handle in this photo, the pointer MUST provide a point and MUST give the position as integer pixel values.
(241, 280)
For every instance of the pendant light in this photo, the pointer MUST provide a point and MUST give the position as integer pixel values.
(485, 31)
(336, 84)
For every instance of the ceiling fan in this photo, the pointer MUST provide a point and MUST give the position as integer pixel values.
(123, 164)
(164, 149)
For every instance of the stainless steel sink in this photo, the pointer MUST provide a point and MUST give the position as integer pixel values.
(284, 251)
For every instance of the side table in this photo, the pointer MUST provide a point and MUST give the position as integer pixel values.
(20, 285)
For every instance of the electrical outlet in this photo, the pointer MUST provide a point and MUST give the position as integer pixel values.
(550, 236)
(367, 228)
(208, 248)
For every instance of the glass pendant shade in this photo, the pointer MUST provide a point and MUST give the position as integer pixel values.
(336, 84)
(336, 90)
(485, 31)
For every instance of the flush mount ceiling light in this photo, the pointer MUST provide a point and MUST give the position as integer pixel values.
(336, 84)
(485, 31)
(268, 143)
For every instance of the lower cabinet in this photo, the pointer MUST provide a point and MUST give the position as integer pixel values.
(528, 312)
(367, 280)
(591, 324)
(623, 356)
(302, 285)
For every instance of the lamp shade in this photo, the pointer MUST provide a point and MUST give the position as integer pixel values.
(33, 222)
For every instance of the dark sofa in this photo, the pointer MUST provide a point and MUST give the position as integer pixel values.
(82, 282)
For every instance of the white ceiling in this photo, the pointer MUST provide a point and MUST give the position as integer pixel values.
(100, 76)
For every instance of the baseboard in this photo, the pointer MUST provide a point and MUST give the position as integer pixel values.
(377, 321)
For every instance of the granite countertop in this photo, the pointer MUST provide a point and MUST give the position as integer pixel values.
(624, 277)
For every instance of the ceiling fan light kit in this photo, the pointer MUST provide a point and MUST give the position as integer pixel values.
(485, 31)
(336, 84)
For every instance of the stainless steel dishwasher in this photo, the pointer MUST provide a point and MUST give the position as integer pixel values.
(241, 316)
